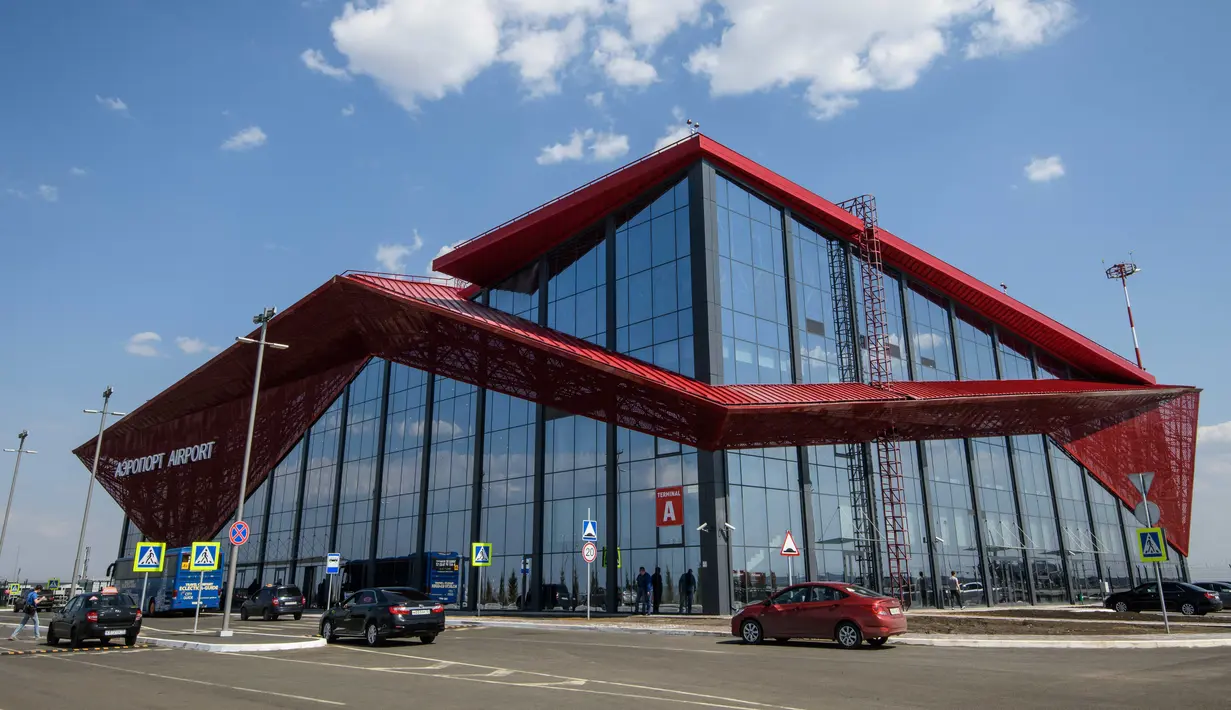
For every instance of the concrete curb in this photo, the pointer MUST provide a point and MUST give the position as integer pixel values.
(233, 647)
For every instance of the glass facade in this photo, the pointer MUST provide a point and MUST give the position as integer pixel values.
(1016, 518)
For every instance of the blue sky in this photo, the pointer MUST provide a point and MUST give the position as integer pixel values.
(170, 170)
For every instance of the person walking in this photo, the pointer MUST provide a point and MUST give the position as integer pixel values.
(688, 586)
(30, 611)
(642, 605)
(955, 588)
(657, 581)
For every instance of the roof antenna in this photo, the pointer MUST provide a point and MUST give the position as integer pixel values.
(1004, 287)
(694, 127)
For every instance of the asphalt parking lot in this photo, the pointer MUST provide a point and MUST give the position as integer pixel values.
(517, 669)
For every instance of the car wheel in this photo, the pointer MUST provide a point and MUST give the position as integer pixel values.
(1122, 607)
(243, 613)
(52, 639)
(848, 635)
(781, 639)
(130, 640)
(427, 638)
(750, 632)
(371, 634)
(74, 638)
(1188, 609)
(327, 632)
(878, 641)
(151, 609)
(267, 614)
(298, 617)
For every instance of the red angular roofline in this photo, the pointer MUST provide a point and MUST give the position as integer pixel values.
(490, 257)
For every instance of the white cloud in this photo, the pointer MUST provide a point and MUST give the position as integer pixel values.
(439, 253)
(14, 192)
(78, 172)
(194, 346)
(393, 256)
(677, 130)
(1019, 24)
(1044, 169)
(652, 21)
(143, 344)
(1214, 434)
(541, 54)
(595, 99)
(837, 49)
(1211, 496)
(602, 146)
(49, 193)
(113, 103)
(246, 139)
(616, 55)
(315, 60)
(348, 110)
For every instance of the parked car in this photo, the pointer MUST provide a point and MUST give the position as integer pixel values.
(273, 601)
(972, 593)
(383, 613)
(1188, 599)
(1222, 588)
(102, 615)
(846, 613)
(553, 596)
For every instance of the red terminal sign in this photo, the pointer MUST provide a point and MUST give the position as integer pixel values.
(669, 506)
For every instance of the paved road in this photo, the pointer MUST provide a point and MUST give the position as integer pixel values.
(517, 669)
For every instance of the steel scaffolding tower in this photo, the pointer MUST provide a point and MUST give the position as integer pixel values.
(864, 528)
(880, 375)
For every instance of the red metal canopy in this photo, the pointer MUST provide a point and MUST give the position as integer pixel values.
(338, 327)
(490, 257)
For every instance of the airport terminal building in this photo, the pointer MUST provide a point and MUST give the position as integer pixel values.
(703, 357)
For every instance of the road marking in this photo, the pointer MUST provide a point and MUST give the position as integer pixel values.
(605, 645)
(200, 682)
(552, 682)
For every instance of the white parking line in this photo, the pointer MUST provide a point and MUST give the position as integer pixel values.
(489, 639)
(198, 682)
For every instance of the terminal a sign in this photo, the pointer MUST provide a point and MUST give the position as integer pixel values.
(155, 462)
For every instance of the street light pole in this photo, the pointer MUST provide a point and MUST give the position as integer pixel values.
(21, 449)
(261, 319)
(1122, 272)
(98, 450)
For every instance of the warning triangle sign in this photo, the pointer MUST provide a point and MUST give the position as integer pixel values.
(150, 558)
(789, 549)
(205, 557)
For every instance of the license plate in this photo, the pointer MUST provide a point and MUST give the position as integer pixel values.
(115, 632)
(895, 611)
(420, 612)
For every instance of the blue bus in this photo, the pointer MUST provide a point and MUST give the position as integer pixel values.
(175, 588)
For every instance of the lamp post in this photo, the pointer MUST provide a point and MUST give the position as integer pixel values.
(98, 450)
(262, 319)
(21, 449)
(1122, 272)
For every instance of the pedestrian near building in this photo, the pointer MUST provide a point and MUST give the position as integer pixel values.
(657, 581)
(688, 586)
(955, 588)
(30, 611)
(643, 583)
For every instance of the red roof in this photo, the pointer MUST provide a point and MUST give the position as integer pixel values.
(492, 256)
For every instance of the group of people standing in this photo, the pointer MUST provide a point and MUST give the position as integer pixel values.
(650, 591)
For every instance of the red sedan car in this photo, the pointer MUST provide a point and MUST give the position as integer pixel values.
(846, 613)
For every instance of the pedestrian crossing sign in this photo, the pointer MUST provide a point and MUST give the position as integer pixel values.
(204, 557)
(150, 556)
(53, 584)
(1150, 545)
(481, 554)
(14, 587)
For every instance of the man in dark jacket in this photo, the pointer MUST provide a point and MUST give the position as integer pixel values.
(657, 581)
(688, 586)
(644, 585)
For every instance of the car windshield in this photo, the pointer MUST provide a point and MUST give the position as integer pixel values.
(109, 601)
(397, 596)
(860, 591)
(289, 592)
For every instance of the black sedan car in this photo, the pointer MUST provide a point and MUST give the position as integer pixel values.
(273, 601)
(1222, 588)
(382, 613)
(1188, 599)
(103, 615)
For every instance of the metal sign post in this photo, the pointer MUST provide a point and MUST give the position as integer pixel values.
(590, 554)
(200, 588)
(1144, 485)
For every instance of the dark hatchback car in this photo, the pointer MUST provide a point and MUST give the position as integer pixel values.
(1188, 599)
(101, 615)
(382, 613)
(1223, 589)
(274, 601)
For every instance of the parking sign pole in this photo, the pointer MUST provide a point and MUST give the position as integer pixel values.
(1158, 568)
